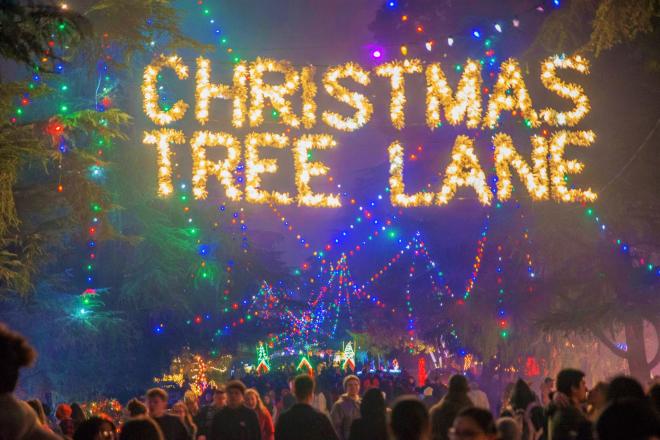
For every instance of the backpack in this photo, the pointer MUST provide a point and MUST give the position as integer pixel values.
(524, 420)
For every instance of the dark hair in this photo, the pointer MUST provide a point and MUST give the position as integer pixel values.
(623, 387)
(157, 392)
(136, 408)
(15, 352)
(91, 427)
(567, 379)
(410, 419)
(303, 386)
(220, 389)
(654, 397)
(521, 395)
(237, 385)
(141, 428)
(632, 419)
(483, 418)
(373, 404)
(77, 414)
(458, 384)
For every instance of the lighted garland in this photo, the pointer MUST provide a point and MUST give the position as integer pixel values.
(466, 103)
(358, 101)
(260, 91)
(464, 170)
(574, 92)
(510, 78)
(309, 91)
(535, 178)
(223, 169)
(306, 169)
(150, 92)
(254, 166)
(205, 91)
(561, 168)
(396, 70)
(398, 197)
(162, 138)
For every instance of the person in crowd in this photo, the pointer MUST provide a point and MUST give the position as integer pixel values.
(190, 400)
(624, 387)
(302, 421)
(596, 401)
(77, 415)
(654, 397)
(508, 429)
(370, 381)
(628, 419)
(566, 419)
(347, 407)
(410, 419)
(253, 401)
(547, 388)
(65, 422)
(428, 398)
(506, 396)
(180, 409)
(269, 404)
(478, 397)
(96, 428)
(524, 408)
(286, 400)
(444, 412)
(170, 425)
(475, 424)
(372, 424)
(235, 421)
(205, 415)
(39, 410)
(136, 408)
(141, 428)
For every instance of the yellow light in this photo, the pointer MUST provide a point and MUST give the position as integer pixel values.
(162, 138)
(574, 92)
(395, 70)
(306, 169)
(260, 91)
(254, 167)
(464, 170)
(150, 92)
(223, 169)
(560, 167)
(467, 100)
(308, 96)
(510, 77)
(535, 178)
(358, 101)
(205, 91)
(398, 196)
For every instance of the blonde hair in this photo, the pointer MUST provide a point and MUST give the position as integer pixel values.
(260, 404)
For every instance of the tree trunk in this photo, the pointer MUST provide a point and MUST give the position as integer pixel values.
(636, 352)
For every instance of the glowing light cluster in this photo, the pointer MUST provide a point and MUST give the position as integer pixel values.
(254, 167)
(464, 170)
(510, 78)
(398, 196)
(309, 91)
(467, 100)
(358, 101)
(535, 177)
(150, 92)
(306, 169)
(162, 138)
(222, 169)
(205, 91)
(260, 91)
(561, 168)
(571, 91)
(396, 70)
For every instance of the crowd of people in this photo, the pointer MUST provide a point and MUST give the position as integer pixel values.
(307, 408)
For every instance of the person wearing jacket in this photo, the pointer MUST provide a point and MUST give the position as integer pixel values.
(347, 407)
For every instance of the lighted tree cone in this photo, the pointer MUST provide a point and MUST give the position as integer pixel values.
(398, 196)
(561, 168)
(535, 178)
(162, 138)
(260, 91)
(358, 101)
(305, 365)
(510, 78)
(464, 170)
(467, 101)
(205, 91)
(306, 169)
(150, 92)
(574, 92)
(221, 169)
(254, 167)
(262, 359)
(396, 70)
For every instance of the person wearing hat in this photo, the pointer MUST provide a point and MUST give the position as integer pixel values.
(235, 421)
(204, 417)
(347, 407)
